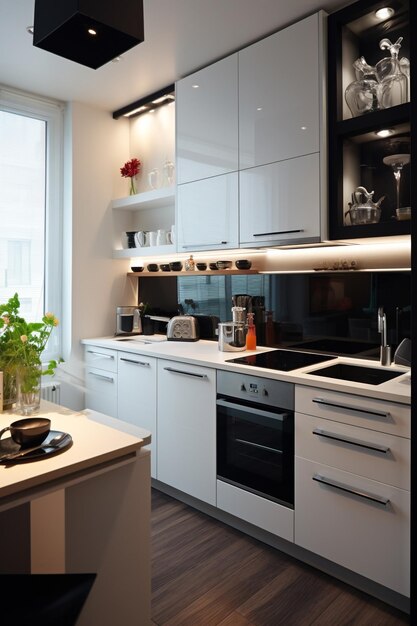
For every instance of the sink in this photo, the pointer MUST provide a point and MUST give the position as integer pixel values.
(358, 373)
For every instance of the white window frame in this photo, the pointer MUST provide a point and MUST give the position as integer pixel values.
(52, 112)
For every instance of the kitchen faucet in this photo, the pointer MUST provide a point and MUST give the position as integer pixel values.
(385, 350)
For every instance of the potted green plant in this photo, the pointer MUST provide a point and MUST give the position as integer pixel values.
(21, 347)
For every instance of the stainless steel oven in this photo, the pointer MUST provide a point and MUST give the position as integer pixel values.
(255, 435)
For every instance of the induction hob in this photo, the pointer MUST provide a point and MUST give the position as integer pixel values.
(284, 360)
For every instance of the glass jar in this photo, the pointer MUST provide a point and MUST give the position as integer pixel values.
(394, 75)
(28, 381)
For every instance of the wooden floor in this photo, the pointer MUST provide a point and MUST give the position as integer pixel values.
(207, 573)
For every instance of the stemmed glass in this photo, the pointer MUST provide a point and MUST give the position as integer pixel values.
(397, 162)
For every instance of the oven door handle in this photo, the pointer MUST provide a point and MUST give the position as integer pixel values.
(246, 409)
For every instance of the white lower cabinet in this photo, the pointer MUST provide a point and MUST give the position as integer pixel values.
(361, 524)
(263, 513)
(352, 483)
(186, 442)
(101, 380)
(136, 398)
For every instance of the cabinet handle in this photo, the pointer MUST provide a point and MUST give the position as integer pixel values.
(279, 232)
(350, 440)
(136, 362)
(203, 245)
(370, 413)
(281, 417)
(101, 354)
(109, 379)
(367, 495)
(174, 371)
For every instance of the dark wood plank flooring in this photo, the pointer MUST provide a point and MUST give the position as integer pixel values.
(207, 573)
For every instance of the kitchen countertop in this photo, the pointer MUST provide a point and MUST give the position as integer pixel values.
(206, 353)
(97, 440)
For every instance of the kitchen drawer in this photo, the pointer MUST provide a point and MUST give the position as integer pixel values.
(263, 513)
(387, 417)
(369, 453)
(101, 358)
(101, 391)
(365, 536)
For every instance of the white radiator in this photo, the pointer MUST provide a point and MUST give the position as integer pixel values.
(51, 392)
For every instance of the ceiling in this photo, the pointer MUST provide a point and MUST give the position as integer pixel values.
(180, 37)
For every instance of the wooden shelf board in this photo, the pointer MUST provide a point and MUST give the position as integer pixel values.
(182, 273)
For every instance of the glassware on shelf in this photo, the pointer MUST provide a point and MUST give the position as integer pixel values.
(393, 74)
(363, 94)
(190, 264)
(168, 173)
(153, 178)
(397, 163)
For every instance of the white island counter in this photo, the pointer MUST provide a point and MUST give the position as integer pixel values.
(84, 510)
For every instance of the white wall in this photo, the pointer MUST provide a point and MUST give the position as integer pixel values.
(96, 146)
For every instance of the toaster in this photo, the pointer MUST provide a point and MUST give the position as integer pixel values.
(182, 328)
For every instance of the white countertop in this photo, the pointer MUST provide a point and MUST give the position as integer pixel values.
(206, 353)
(97, 440)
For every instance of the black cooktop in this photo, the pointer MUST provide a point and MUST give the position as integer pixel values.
(284, 360)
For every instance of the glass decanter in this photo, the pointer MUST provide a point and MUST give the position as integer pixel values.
(363, 94)
(393, 74)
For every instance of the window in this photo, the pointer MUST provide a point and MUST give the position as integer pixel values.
(30, 206)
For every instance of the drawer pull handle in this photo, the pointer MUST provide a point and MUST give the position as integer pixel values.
(108, 379)
(135, 362)
(356, 492)
(101, 354)
(203, 245)
(279, 232)
(383, 414)
(174, 371)
(350, 440)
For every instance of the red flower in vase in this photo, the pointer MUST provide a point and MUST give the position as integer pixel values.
(131, 168)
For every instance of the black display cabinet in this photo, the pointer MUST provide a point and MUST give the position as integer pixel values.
(358, 156)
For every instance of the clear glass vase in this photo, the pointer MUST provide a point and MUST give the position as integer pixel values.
(28, 381)
(9, 386)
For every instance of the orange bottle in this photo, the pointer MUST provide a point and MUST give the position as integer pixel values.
(251, 334)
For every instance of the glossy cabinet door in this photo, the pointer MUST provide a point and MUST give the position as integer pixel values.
(280, 95)
(187, 428)
(101, 380)
(207, 121)
(281, 202)
(136, 398)
(207, 214)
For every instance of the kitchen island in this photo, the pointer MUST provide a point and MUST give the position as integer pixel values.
(84, 510)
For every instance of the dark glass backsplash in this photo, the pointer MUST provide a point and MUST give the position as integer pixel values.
(327, 312)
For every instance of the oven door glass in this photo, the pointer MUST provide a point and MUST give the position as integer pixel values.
(255, 449)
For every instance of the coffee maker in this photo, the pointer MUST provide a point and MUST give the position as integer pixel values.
(128, 320)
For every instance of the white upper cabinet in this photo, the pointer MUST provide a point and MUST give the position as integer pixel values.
(207, 122)
(281, 202)
(207, 215)
(280, 95)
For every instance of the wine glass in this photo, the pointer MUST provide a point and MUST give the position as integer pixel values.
(397, 162)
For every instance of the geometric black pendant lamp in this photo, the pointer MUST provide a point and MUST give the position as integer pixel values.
(89, 32)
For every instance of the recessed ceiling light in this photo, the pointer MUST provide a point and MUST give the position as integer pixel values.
(196, 86)
(303, 127)
(385, 132)
(135, 111)
(91, 31)
(117, 59)
(30, 30)
(259, 109)
(384, 13)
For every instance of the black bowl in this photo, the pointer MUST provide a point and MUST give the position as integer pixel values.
(137, 268)
(176, 266)
(201, 266)
(243, 264)
(165, 267)
(152, 267)
(213, 266)
(31, 431)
